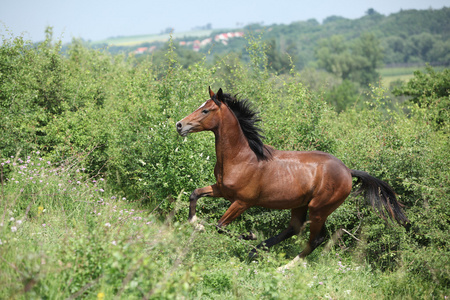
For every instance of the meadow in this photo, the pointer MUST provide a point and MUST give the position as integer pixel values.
(95, 183)
(392, 74)
(67, 235)
(151, 38)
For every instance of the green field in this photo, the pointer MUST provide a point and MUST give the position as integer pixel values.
(389, 75)
(140, 39)
(404, 74)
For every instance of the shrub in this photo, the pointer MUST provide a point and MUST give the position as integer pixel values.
(113, 117)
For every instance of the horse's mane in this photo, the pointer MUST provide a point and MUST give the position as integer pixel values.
(248, 119)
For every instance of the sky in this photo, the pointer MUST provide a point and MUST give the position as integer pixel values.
(94, 20)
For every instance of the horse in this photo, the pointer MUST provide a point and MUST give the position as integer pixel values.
(249, 173)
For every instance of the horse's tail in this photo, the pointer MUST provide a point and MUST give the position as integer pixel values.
(381, 196)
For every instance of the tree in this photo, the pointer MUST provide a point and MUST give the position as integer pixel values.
(440, 52)
(371, 12)
(277, 61)
(356, 61)
(430, 90)
(184, 56)
(334, 56)
(332, 19)
(343, 95)
(368, 57)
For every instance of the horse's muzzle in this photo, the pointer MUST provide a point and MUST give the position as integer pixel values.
(179, 127)
(183, 130)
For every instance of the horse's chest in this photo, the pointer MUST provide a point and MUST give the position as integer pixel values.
(236, 184)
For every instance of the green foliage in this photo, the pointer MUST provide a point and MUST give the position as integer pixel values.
(23, 91)
(407, 153)
(406, 37)
(279, 61)
(83, 242)
(354, 51)
(184, 57)
(430, 90)
(357, 61)
(343, 95)
(70, 120)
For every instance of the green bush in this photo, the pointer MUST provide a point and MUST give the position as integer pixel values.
(405, 151)
(430, 90)
(113, 117)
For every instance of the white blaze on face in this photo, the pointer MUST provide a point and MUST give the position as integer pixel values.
(195, 110)
(202, 105)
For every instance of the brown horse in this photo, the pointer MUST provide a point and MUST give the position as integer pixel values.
(249, 173)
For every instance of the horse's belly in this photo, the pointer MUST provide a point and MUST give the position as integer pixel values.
(287, 184)
(285, 192)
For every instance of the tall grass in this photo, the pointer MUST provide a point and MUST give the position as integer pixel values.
(65, 235)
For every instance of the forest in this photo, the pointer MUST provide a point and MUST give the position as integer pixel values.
(95, 180)
(339, 57)
(406, 37)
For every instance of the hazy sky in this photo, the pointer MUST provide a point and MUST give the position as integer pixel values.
(100, 19)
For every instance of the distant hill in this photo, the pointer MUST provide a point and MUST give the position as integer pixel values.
(137, 40)
(407, 37)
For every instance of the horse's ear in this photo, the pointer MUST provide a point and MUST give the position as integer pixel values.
(215, 97)
(220, 95)
(211, 93)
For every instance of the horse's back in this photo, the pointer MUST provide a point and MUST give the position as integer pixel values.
(323, 166)
(293, 178)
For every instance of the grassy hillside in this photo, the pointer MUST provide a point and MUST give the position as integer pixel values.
(85, 242)
(391, 74)
(151, 38)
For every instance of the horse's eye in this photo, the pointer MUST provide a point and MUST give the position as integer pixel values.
(205, 111)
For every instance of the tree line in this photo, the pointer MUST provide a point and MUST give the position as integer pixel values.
(339, 57)
(406, 37)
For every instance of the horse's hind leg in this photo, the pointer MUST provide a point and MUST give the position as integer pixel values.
(318, 213)
(316, 237)
(298, 217)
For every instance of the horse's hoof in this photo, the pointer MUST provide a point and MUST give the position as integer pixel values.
(248, 236)
(193, 220)
(199, 227)
(293, 263)
(253, 255)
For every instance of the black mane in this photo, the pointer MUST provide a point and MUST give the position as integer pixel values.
(248, 119)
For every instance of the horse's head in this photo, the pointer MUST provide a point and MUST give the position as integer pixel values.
(204, 117)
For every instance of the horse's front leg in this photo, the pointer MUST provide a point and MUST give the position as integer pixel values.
(209, 191)
(236, 208)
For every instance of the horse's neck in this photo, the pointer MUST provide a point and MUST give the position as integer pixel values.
(231, 143)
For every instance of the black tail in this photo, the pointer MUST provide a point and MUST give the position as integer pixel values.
(381, 196)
